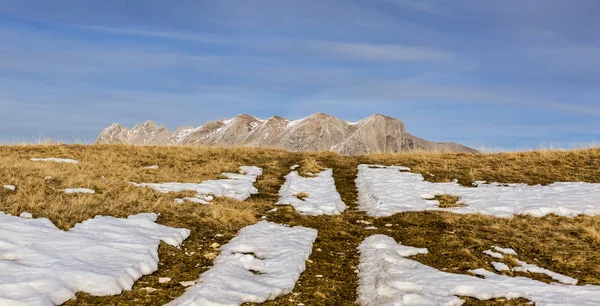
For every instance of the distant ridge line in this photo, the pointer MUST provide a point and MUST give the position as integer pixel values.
(317, 132)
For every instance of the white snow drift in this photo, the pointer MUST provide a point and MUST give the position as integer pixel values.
(384, 191)
(43, 265)
(323, 198)
(10, 187)
(57, 160)
(236, 186)
(386, 277)
(262, 262)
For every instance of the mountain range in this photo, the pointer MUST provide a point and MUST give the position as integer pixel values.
(317, 132)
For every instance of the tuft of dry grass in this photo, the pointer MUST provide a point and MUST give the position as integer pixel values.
(302, 195)
(448, 201)
(570, 246)
(310, 166)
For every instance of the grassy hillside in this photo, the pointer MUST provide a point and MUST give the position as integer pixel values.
(570, 246)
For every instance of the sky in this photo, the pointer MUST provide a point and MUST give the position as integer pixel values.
(510, 74)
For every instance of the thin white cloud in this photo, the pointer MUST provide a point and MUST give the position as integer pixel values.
(427, 6)
(187, 36)
(376, 52)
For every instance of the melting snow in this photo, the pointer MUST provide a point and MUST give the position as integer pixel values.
(386, 277)
(500, 266)
(10, 187)
(525, 267)
(236, 186)
(262, 262)
(493, 254)
(43, 265)
(384, 191)
(323, 198)
(26, 215)
(507, 251)
(57, 160)
(79, 190)
(152, 167)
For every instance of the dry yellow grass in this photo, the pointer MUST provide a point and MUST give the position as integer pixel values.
(310, 166)
(448, 201)
(566, 245)
(302, 195)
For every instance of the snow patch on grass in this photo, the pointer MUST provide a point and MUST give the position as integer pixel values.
(262, 262)
(386, 277)
(43, 265)
(319, 195)
(57, 160)
(237, 186)
(384, 191)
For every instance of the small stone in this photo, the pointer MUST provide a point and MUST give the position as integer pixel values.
(188, 283)
(210, 256)
(319, 276)
(215, 245)
(149, 289)
(164, 280)
(319, 250)
(370, 228)
(219, 236)
(389, 225)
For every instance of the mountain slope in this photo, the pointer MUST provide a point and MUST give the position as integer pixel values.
(317, 132)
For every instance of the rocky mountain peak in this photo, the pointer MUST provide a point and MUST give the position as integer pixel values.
(317, 132)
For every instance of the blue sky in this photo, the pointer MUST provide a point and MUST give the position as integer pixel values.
(502, 74)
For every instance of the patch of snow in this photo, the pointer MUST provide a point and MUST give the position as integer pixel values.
(10, 187)
(43, 265)
(152, 167)
(493, 254)
(525, 267)
(384, 191)
(500, 266)
(57, 160)
(323, 198)
(164, 280)
(507, 251)
(262, 262)
(26, 215)
(386, 277)
(236, 186)
(272, 210)
(255, 124)
(293, 123)
(79, 190)
(294, 167)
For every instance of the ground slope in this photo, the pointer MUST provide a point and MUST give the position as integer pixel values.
(456, 242)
